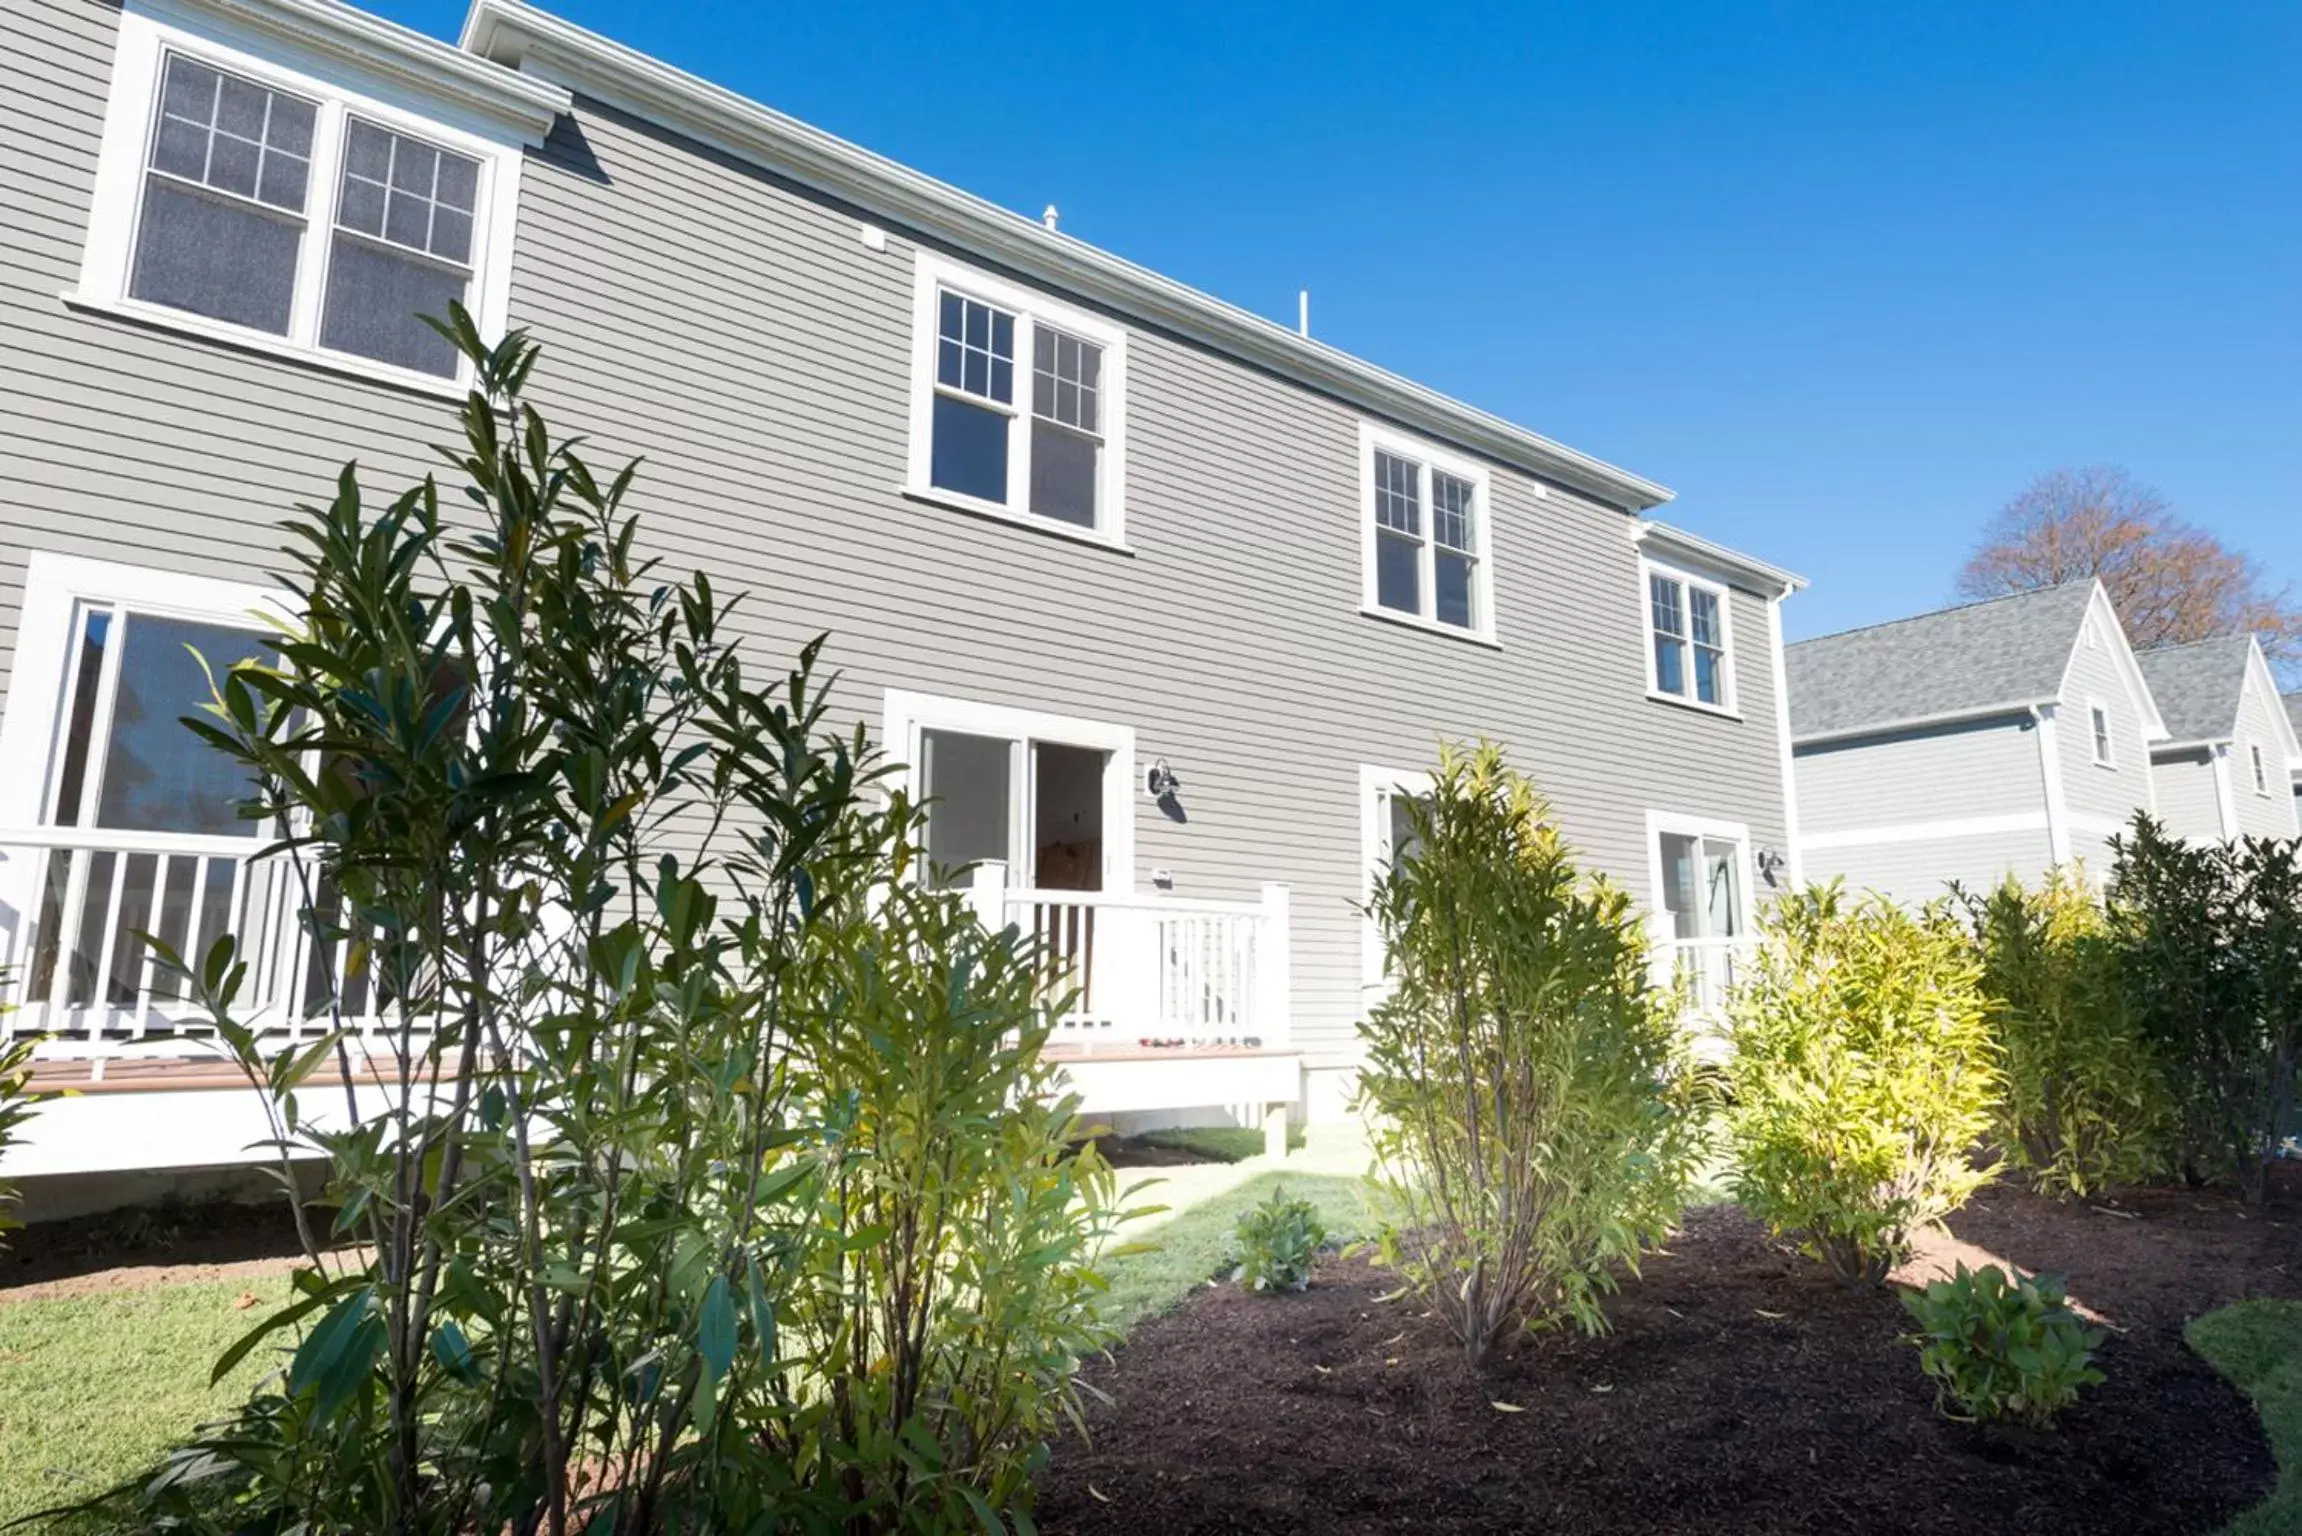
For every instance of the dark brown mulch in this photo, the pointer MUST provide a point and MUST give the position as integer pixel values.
(1742, 1390)
(163, 1239)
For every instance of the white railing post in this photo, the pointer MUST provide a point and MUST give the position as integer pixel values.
(1274, 1000)
(987, 893)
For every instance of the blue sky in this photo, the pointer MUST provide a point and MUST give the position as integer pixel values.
(1844, 279)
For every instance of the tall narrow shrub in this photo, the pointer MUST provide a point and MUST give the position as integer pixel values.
(1525, 1081)
(1862, 1076)
(2212, 944)
(2086, 1102)
(710, 1179)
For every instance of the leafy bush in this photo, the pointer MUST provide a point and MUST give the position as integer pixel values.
(1861, 1076)
(716, 1184)
(2000, 1348)
(1525, 1083)
(1277, 1242)
(2086, 1102)
(2211, 940)
(15, 1105)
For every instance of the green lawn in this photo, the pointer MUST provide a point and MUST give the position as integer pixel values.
(2258, 1345)
(94, 1388)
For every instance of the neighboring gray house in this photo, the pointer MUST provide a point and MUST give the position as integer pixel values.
(1068, 521)
(2226, 767)
(2293, 703)
(2003, 737)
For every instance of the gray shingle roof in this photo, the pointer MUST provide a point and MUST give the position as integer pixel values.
(2005, 652)
(2198, 685)
(2293, 703)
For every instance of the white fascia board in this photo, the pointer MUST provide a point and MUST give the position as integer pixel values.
(2123, 657)
(1677, 544)
(520, 36)
(382, 48)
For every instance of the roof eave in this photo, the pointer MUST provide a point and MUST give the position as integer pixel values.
(1772, 580)
(516, 34)
(1919, 722)
(374, 45)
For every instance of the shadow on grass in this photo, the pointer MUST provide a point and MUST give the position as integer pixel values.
(2258, 1345)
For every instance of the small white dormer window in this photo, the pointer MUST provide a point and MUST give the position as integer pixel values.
(254, 195)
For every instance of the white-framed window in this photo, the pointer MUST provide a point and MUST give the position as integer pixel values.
(249, 192)
(2261, 772)
(2098, 726)
(1048, 796)
(131, 821)
(1385, 829)
(1690, 638)
(1018, 404)
(1423, 519)
(1702, 878)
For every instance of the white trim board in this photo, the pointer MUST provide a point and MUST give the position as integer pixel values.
(1708, 828)
(1927, 831)
(1376, 783)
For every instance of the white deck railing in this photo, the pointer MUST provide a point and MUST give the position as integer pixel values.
(1707, 968)
(1154, 969)
(74, 899)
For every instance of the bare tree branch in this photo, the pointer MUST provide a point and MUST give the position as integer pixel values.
(2171, 581)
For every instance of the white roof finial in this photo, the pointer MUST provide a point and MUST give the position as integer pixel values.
(1050, 216)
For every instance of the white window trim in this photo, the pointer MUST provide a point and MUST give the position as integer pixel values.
(904, 715)
(1376, 785)
(55, 586)
(149, 30)
(2260, 767)
(1375, 437)
(1708, 828)
(2104, 752)
(930, 275)
(1730, 706)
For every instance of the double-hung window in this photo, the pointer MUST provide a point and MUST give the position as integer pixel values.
(1018, 405)
(1687, 644)
(1424, 514)
(257, 198)
(2098, 724)
(2261, 773)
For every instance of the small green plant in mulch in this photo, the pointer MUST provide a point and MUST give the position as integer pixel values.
(1277, 1242)
(2002, 1347)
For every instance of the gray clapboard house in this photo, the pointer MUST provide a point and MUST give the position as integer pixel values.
(1165, 604)
(2293, 704)
(2003, 737)
(2225, 769)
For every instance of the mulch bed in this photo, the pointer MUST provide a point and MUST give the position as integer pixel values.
(154, 1245)
(1742, 1390)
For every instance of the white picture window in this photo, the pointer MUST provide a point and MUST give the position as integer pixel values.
(2098, 724)
(1018, 404)
(1689, 651)
(244, 192)
(1424, 515)
(1386, 830)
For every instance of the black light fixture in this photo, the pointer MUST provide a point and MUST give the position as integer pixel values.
(1160, 782)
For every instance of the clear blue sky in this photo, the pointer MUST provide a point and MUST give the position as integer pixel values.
(1844, 280)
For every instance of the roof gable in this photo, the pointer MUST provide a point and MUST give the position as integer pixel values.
(2003, 654)
(2198, 686)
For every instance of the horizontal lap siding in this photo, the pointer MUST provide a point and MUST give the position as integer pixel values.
(2269, 813)
(1917, 872)
(1942, 773)
(759, 358)
(2186, 803)
(123, 442)
(735, 331)
(2095, 793)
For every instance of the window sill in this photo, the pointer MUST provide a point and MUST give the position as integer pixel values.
(2104, 762)
(1429, 626)
(245, 340)
(978, 507)
(1696, 706)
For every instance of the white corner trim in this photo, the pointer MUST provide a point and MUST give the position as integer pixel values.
(1429, 458)
(2225, 800)
(54, 588)
(1678, 546)
(1781, 673)
(2050, 769)
(931, 274)
(339, 87)
(903, 715)
(1886, 835)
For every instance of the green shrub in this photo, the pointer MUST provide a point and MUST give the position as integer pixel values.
(15, 1105)
(1861, 1076)
(727, 1193)
(1524, 1080)
(2000, 1348)
(2086, 1102)
(1277, 1242)
(2211, 944)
